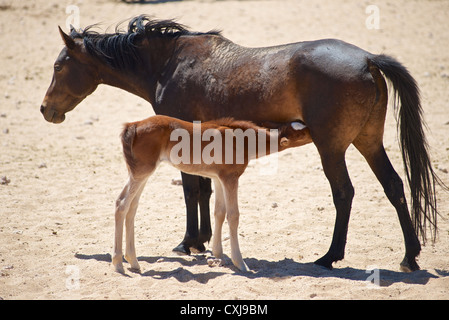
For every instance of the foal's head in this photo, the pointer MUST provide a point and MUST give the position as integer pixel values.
(294, 134)
(74, 78)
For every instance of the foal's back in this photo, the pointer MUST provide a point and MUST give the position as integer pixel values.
(147, 142)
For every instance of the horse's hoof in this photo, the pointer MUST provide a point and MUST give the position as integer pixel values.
(409, 265)
(182, 250)
(324, 262)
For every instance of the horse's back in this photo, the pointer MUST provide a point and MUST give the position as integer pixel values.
(336, 90)
(279, 83)
(332, 59)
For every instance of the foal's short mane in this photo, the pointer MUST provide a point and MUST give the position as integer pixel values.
(119, 49)
(244, 125)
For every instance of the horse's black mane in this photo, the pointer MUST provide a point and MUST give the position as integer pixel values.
(119, 49)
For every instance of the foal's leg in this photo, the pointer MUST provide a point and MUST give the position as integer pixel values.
(394, 189)
(219, 213)
(130, 254)
(230, 188)
(123, 205)
(343, 192)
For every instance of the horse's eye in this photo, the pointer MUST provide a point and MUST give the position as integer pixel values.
(58, 67)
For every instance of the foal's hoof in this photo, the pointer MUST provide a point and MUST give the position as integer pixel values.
(242, 266)
(198, 248)
(119, 269)
(409, 265)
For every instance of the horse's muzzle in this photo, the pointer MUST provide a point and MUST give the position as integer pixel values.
(51, 116)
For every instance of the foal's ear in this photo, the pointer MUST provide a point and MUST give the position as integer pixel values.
(297, 125)
(69, 42)
(284, 142)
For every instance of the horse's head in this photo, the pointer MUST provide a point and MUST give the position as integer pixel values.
(74, 78)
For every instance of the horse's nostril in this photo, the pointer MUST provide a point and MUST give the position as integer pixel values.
(42, 109)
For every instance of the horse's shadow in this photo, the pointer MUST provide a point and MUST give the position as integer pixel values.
(378, 277)
(149, 1)
(275, 270)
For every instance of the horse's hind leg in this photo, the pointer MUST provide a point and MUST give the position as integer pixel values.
(334, 167)
(394, 189)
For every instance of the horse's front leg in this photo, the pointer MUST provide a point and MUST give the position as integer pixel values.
(191, 188)
(204, 202)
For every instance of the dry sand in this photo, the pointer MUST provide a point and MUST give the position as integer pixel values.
(57, 211)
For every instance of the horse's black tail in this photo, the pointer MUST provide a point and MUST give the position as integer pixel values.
(127, 137)
(420, 175)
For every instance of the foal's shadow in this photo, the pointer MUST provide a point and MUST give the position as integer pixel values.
(181, 274)
(275, 270)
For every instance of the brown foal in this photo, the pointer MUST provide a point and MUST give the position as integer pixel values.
(146, 143)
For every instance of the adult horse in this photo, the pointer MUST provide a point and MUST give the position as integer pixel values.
(335, 88)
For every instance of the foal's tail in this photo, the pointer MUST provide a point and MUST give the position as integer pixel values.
(420, 175)
(127, 136)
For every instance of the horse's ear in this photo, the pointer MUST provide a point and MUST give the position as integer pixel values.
(284, 142)
(67, 39)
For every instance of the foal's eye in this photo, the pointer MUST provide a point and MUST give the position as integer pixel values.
(57, 67)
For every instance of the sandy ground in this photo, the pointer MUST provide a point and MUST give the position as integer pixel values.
(57, 211)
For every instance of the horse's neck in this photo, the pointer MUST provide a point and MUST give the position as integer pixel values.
(133, 83)
(141, 82)
(156, 57)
